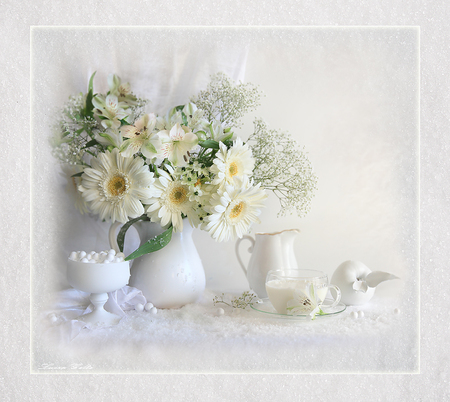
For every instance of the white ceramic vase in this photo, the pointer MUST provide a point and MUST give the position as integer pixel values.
(171, 277)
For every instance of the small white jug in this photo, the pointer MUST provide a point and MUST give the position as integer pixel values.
(269, 251)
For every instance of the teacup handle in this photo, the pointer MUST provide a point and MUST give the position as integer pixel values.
(338, 296)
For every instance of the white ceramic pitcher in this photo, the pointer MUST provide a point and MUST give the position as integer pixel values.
(269, 251)
(170, 277)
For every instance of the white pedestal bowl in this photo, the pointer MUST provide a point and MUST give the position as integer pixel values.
(98, 279)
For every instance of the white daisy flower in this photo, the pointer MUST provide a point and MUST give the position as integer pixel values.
(234, 209)
(234, 162)
(115, 186)
(170, 201)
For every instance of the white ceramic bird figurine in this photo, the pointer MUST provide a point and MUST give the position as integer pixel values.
(357, 282)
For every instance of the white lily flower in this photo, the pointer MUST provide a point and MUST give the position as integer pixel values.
(110, 110)
(121, 90)
(218, 132)
(194, 117)
(141, 137)
(111, 136)
(304, 302)
(176, 144)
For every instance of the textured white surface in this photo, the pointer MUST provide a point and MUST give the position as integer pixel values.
(433, 381)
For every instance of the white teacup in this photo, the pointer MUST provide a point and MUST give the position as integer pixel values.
(299, 291)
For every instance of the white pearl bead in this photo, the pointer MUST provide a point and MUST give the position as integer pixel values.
(360, 314)
(153, 310)
(139, 307)
(148, 306)
(220, 311)
(112, 251)
(110, 257)
(73, 256)
(354, 315)
(82, 254)
(397, 311)
(84, 259)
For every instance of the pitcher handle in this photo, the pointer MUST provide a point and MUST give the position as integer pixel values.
(113, 236)
(250, 250)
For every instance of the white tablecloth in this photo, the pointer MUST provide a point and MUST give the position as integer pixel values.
(196, 338)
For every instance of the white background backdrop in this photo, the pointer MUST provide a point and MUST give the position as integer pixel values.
(432, 383)
(349, 95)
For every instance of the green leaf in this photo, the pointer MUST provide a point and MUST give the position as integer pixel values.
(228, 138)
(91, 143)
(209, 144)
(91, 82)
(88, 111)
(77, 174)
(155, 244)
(124, 228)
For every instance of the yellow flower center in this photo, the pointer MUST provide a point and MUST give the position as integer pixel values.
(178, 195)
(236, 210)
(117, 186)
(233, 169)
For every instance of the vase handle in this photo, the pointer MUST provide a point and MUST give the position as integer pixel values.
(250, 250)
(113, 236)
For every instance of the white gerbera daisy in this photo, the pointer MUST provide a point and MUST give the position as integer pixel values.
(170, 201)
(234, 162)
(115, 186)
(234, 209)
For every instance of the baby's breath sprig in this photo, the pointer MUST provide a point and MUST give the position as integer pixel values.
(282, 167)
(227, 102)
(247, 298)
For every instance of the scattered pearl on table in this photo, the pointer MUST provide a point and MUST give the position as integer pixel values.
(139, 307)
(397, 311)
(354, 315)
(220, 311)
(153, 310)
(148, 306)
(360, 314)
(53, 318)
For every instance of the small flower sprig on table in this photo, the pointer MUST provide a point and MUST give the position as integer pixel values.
(248, 298)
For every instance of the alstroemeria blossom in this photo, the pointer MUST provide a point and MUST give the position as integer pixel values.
(110, 110)
(304, 302)
(111, 136)
(121, 90)
(176, 144)
(141, 137)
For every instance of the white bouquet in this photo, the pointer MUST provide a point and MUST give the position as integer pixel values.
(129, 165)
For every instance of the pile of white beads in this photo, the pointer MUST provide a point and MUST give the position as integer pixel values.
(103, 257)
